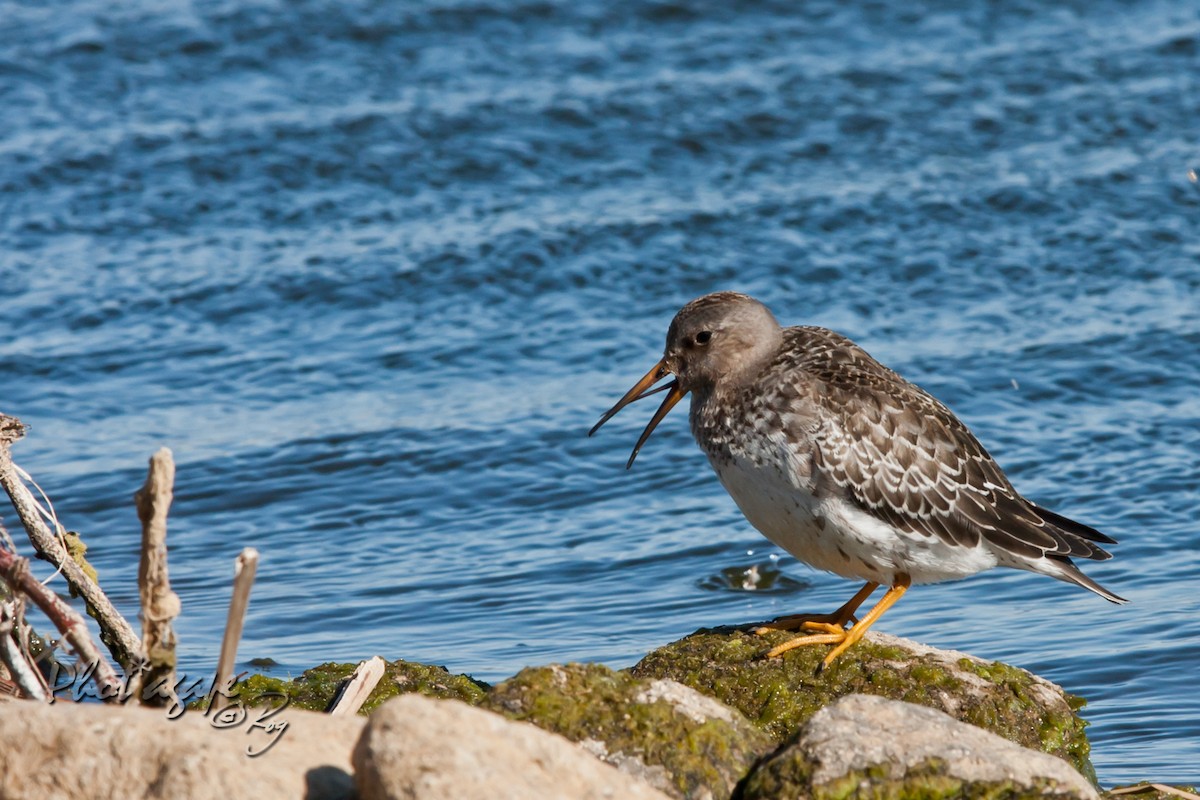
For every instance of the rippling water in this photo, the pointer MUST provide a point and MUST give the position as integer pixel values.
(372, 272)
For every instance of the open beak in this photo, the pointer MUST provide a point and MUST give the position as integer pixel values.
(642, 389)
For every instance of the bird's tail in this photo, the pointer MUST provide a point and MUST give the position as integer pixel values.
(1065, 570)
(1074, 529)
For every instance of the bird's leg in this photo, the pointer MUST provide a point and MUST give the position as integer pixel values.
(833, 623)
(845, 638)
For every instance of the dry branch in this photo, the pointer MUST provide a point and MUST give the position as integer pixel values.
(1155, 787)
(160, 605)
(358, 687)
(244, 569)
(14, 658)
(14, 570)
(115, 630)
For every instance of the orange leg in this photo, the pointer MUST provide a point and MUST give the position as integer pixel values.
(845, 638)
(830, 623)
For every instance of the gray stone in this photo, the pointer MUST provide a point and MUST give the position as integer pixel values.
(686, 701)
(680, 741)
(418, 747)
(869, 746)
(68, 750)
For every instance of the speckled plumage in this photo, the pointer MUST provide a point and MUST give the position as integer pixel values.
(845, 464)
(843, 426)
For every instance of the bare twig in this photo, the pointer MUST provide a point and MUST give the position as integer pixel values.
(243, 578)
(160, 605)
(115, 630)
(15, 572)
(23, 673)
(357, 688)
(1161, 787)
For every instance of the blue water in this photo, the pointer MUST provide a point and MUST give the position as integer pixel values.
(372, 271)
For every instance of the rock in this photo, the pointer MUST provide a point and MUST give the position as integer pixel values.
(315, 687)
(678, 740)
(863, 746)
(418, 747)
(76, 750)
(780, 694)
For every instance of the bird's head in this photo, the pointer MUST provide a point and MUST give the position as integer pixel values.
(718, 338)
(714, 340)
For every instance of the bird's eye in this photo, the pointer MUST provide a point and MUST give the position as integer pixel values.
(704, 337)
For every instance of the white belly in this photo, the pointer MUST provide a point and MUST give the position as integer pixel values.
(833, 535)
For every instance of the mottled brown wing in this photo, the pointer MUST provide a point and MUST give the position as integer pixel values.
(899, 453)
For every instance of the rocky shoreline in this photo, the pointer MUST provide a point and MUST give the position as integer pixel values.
(704, 718)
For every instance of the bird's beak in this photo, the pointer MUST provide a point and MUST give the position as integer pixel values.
(642, 389)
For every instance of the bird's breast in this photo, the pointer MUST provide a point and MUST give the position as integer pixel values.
(784, 507)
(766, 464)
(764, 459)
(828, 532)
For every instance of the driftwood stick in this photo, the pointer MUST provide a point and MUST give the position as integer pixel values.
(26, 677)
(244, 569)
(115, 630)
(1154, 787)
(160, 605)
(357, 688)
(14, 570)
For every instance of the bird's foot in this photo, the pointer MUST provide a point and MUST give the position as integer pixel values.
(800, 641)
(831, 627)
(806, 622)
(837, 635)
(833, 624)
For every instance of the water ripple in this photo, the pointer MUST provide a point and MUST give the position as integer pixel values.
(372, 272)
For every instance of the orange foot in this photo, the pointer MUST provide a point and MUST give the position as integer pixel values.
(833, 626)
(830, 623)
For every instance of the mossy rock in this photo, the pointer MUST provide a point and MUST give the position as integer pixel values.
(791, 777)
(871, 748)
(781, 694)
(316, 687)
(678, 740)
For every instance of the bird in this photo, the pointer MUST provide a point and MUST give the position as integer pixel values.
(847, 466)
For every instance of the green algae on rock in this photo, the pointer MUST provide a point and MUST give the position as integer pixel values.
(315, 688)
(680, 741)
(781, 694)
(792, 779)
(865, 746)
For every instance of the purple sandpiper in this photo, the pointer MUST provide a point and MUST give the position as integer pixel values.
(846, 465)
